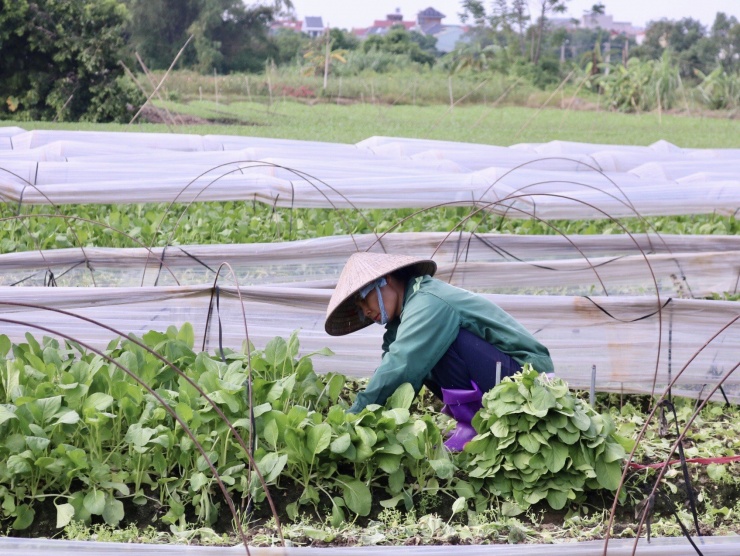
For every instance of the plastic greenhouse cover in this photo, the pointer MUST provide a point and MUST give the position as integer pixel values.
(629, 341)
(402, 191)
(683, 266)
(64, 150)
(9, 131)
(174, 165)
(554, 180)
(541, 200)
(553, 199)
(683, 169)
(168, 141)
(661, 546)
(217, 164)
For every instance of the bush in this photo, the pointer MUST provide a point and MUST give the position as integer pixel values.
(719, 90)
(60, 61)
(377, 61)
(542, 75)
(642, 85)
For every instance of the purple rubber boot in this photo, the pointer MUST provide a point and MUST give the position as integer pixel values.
(461, 405)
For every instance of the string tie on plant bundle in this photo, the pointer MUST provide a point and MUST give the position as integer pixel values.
(49, 279)
(684, 467)
(216, 296)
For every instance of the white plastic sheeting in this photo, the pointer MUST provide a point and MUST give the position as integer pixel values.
(286, 287)
(660, 546)
(171, 141)
(679, 266)
(548, 199)
(630, 340)
(549, 181)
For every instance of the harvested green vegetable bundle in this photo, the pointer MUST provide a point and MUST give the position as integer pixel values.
(536, 441)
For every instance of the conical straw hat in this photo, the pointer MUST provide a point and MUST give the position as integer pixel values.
(342, 315)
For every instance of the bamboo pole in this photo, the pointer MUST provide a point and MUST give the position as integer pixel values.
(495, 103)
(141, 87)
(269, 84)
(151, 81)
(573, 98)
(326, 59)
(452, 105)
(529, 121)
(64, 106)
(164, 78)
(683, 93)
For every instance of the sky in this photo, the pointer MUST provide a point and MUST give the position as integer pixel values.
(347, 14)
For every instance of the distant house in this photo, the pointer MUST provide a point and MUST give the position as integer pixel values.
(289, 24)
(595, 21)
(381, 26)
(448, 36)
(428, 22)
(313, 26)
(567, 23)
(429, 19)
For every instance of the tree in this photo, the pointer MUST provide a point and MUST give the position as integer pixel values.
(158, 29)
(521, 17)
(228, 34)
(685, 39)
(343, 39)
(60, 60)
(725, 35)
(290, 45)
(546, 7)
(473, 56)
(322, 56)
(473, 9)
(503, 20)
(400, 41)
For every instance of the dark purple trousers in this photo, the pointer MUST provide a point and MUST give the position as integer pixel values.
(470, 358)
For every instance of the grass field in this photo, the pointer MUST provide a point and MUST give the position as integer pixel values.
(476, 124)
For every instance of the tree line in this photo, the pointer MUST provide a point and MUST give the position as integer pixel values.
(69, 60)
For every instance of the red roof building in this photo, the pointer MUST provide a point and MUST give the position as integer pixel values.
(381, 26)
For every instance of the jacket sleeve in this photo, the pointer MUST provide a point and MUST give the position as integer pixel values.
(428, 327)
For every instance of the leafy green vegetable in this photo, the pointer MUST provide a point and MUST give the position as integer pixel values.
(538, 441)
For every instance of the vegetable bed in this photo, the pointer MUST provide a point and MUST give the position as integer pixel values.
(130, 437)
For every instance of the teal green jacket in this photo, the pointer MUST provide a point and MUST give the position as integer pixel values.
(433, 313)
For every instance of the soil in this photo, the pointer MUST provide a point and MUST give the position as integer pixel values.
(540, 518)
(154, 115)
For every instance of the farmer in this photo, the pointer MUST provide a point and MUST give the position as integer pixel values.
(437, 335)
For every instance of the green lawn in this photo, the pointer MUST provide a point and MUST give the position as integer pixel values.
(477, 124)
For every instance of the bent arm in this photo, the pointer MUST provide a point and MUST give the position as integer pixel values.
(428, 327)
